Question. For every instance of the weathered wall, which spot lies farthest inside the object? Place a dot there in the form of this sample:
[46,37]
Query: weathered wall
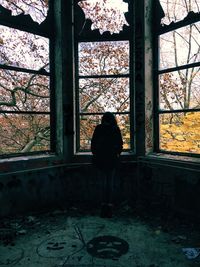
[60,187]
[156,185]
[170,187]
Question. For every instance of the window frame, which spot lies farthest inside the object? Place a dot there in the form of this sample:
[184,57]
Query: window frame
[156,72]
[106,38]
[43,31]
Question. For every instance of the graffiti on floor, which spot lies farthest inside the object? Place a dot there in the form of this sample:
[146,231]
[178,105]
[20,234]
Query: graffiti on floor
[80,248]
[59,246]
[107,247]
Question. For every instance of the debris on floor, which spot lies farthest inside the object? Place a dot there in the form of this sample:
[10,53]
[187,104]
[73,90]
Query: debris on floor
[65,238]
[179,238]
[191,253]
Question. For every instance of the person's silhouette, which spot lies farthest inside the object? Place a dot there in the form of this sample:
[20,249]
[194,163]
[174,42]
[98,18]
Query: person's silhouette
[106,147]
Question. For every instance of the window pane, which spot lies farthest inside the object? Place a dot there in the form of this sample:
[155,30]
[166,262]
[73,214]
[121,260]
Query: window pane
[124,125]
[180,89]
[37,9]
[104,94]
[180,47]
[24,133]
[23,49]
[106,15]
[23,92]
[103,58]
[178,10]
[88,124]
[180,132]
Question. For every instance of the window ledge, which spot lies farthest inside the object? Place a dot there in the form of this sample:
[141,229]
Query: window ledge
[172,160]
[26,158]
[86,157]
[21,163]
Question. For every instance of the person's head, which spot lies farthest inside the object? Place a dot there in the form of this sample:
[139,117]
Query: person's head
[109,118]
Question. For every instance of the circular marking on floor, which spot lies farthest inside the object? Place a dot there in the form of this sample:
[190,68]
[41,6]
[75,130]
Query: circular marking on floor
[59,246]
[107,247]
[10,255]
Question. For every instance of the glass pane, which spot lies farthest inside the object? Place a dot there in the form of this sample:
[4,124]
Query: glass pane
[24,133]
[180,89]
[104,58]
[37,9]
[180,132]
[180,47]
[23,91]
[88,124]
[124,125]
[104,94]
[23,49]
[178,10]
[106,15]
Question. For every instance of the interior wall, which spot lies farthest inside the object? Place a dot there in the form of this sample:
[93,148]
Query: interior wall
[61,187]
[153,184]
[170,186]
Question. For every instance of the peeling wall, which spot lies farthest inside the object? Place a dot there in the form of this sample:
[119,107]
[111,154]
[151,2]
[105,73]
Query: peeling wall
[148,55]
[61,187]
[169,187]
[156,185]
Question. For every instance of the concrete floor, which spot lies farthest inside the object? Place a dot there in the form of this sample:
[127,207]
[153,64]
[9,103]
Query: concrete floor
[74,239]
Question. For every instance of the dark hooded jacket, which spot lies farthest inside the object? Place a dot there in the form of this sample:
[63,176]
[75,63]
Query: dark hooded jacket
[106,146]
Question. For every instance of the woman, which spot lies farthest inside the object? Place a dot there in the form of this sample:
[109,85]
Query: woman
[106,146]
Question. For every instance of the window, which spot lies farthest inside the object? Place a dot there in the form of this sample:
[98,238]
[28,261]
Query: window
[178,76]
[103,52]
[25,78]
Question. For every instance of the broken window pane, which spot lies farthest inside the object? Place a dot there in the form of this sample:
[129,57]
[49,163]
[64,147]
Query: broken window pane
[103,69]
[180,89]
[21,133]
[106,15]
[23,91]
[37,9]
[104,94]
[178,10]
[23,49]
[180,132]
[180,47]
[103,58]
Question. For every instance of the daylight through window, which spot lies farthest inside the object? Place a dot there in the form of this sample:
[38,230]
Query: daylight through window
[179,80]
[24,81]
[103,70]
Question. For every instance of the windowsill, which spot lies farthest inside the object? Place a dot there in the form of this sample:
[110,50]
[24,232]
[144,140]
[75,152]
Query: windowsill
[124,153]
[177,160]
[26,158]
[28,162]
[85,157]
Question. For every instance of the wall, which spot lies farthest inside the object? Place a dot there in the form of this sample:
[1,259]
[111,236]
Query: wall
[61,186]
[169,185]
